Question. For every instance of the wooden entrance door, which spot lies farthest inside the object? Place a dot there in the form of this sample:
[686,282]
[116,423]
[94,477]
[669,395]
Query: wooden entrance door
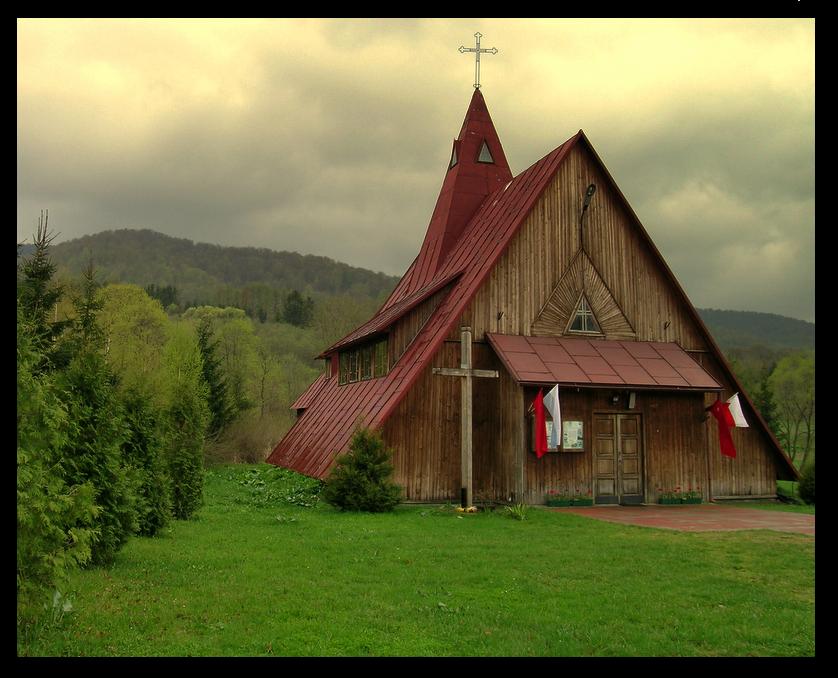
[618,459]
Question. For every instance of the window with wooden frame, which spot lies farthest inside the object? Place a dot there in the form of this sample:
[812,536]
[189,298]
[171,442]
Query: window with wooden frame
[364,362]
[353,366]
[343,368]
[365,354]
[583,320]
[381,358]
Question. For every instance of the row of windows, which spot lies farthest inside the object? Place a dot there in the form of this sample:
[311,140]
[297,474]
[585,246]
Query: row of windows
[370,360]
[362,363]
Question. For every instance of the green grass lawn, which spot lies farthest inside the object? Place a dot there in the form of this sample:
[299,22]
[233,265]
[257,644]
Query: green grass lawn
[256,575]
[773,506]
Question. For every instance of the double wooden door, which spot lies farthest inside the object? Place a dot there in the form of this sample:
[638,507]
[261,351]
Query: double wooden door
[618,459]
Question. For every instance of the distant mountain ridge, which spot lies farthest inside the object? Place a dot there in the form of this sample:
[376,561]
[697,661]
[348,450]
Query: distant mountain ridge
[742,329]
[145,257]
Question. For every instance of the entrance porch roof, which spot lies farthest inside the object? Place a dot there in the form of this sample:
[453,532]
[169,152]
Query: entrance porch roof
[601,363]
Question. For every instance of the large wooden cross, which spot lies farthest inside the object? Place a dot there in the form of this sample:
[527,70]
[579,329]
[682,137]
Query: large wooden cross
[477,52]
[466,372]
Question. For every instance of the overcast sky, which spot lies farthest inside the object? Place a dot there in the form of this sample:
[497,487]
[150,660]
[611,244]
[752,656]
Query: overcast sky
[332,137]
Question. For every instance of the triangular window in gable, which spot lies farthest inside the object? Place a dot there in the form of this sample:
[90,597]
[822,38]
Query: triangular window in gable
[583,319]
[485,153]
[453,156]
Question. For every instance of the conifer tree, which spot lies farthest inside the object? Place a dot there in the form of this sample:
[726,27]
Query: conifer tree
[143,450]
[94,448]
[55,517]
[38,295]
[361,479]
[187,417]
[765,403]
[222,411]
[296,310]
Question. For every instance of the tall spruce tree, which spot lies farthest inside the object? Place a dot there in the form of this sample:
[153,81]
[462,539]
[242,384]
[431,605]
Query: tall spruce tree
[222,410]
[187,418]
[764,401]
[94,448]
[297,310]
[55,517]
[142,449]
[38,295]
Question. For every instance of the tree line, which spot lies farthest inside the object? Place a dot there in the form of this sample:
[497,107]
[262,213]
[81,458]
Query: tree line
[213,274]
[782,386]
[104,449]
[121,405]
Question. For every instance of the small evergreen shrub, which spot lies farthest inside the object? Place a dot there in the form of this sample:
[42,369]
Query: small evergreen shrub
[806,488]
[360,480]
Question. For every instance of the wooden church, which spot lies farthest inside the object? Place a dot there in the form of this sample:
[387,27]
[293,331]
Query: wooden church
[522,283]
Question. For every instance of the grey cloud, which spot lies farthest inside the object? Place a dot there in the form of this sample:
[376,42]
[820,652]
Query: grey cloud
[344,157]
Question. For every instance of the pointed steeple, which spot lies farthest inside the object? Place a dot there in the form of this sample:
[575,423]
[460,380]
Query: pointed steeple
[477,168]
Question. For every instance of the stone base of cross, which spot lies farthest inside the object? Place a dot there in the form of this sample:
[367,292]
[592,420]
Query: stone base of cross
[466,373]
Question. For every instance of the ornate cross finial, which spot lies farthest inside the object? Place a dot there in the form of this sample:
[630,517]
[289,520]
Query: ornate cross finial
[477,52]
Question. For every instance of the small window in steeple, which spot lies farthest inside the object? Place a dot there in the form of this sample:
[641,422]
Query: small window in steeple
[453,157]
[583,320]
[485,154]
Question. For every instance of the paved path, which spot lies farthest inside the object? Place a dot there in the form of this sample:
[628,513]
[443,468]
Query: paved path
[701,517]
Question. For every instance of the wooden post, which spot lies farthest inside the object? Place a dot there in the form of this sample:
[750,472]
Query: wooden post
[465,372]
[465,414]
[520,454]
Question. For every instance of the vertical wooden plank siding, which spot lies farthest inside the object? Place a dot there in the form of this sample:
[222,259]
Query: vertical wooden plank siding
[677,439]
[539,255]
[406,328]
[425,433]
[752,472]
[672,442]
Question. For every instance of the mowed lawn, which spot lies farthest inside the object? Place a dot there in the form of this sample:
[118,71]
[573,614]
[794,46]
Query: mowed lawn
[259,576]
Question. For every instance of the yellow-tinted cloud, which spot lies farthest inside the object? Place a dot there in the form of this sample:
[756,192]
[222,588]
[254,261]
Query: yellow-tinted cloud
[326,133]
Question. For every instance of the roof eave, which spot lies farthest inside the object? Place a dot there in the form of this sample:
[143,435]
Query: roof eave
[691,310]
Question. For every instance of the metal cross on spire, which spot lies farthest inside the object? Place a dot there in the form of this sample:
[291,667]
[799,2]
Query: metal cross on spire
[477,52]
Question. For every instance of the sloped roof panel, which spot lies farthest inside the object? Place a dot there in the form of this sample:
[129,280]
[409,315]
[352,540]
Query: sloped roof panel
[612,364]
[326,426]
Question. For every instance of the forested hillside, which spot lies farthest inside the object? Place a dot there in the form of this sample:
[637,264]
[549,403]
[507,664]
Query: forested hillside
[203,273]
[741,329]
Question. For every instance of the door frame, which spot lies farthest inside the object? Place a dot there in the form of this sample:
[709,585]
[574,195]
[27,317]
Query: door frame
[641,452]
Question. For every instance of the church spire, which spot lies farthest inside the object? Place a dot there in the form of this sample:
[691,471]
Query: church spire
[477,168]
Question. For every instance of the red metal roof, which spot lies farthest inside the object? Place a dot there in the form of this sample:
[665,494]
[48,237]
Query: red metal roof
[326,426]
[307,397]
[600,363]
[332,413]
[465,187]
[386,316]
